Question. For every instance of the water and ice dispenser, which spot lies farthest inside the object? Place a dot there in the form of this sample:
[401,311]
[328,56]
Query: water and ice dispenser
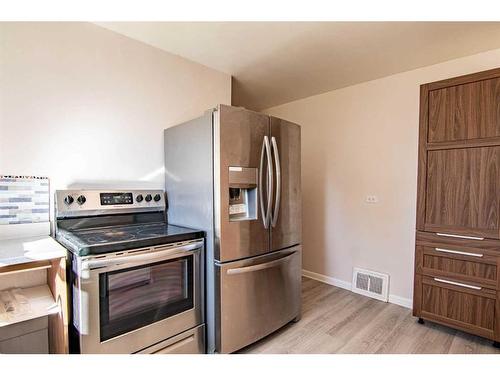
[242,193]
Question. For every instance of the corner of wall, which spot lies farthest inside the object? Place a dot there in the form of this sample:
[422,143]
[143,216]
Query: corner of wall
[394,299]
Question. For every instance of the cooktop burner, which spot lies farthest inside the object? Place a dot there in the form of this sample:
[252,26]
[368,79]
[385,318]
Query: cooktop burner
[111,236]
[122,233]
[125,237]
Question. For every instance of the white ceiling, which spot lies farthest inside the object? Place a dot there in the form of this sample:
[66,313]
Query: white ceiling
[276,62]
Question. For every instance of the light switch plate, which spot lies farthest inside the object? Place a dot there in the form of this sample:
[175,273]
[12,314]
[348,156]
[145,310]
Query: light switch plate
[371,199]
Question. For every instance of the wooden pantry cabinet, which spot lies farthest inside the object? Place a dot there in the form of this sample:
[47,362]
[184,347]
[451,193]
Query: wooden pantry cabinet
[457,252]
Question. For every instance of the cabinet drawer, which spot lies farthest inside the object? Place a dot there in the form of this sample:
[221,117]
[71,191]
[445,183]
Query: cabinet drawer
[471,265]
[465,306]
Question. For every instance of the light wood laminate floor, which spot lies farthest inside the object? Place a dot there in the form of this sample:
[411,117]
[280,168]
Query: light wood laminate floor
[335,320]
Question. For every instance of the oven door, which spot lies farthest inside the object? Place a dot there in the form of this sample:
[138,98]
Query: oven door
[129,302]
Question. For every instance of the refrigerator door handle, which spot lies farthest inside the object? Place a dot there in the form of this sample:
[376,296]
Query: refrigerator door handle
[270,182]
[278,182]
[261,168]
[261,266]
[265,152]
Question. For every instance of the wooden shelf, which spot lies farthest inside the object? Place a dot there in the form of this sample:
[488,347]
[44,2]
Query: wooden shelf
[42,303]
[31,266]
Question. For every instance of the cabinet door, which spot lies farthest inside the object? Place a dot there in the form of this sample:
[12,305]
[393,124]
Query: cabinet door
[466,111]
[462,191]
[459,305]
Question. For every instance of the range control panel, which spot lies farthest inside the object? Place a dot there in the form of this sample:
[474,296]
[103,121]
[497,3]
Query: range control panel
[112,199]
[91,202]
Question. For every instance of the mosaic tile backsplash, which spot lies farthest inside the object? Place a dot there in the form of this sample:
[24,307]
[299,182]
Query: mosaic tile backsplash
[24,199]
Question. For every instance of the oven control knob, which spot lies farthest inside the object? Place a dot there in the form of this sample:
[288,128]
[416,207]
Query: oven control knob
[148,198]
[68,200]
[81,200]
[157,197]
[139,198]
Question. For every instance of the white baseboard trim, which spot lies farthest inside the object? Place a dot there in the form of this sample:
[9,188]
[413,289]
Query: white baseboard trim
[397,300]
[327,279]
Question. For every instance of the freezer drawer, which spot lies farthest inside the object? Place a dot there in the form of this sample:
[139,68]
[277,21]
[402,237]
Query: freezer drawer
[256,297]
[189,342]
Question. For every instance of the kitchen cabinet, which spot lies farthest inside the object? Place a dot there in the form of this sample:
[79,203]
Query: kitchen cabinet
[37,266]
[457,252]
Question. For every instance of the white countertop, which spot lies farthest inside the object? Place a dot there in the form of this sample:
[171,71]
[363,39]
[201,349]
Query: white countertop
[30,249]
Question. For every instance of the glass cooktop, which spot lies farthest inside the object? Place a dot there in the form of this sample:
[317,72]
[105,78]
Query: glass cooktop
[126,237]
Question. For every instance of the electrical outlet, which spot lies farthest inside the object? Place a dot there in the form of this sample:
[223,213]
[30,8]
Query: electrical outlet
[371,199]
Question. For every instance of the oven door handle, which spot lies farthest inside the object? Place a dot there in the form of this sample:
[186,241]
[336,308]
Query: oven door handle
[162,252]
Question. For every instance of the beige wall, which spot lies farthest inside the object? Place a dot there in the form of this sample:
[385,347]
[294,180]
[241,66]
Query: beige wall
[84,105]
[357,141]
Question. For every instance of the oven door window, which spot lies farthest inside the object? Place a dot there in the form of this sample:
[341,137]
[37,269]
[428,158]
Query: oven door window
[136,297]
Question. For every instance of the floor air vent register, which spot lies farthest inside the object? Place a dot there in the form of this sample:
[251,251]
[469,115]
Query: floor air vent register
[371,284]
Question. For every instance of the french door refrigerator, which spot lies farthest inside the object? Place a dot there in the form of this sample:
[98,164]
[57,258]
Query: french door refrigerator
[235,174]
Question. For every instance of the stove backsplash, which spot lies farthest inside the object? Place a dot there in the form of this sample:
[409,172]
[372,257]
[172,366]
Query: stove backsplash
[24,199]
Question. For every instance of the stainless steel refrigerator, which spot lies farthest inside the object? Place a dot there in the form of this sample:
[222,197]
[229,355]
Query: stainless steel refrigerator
[235,174]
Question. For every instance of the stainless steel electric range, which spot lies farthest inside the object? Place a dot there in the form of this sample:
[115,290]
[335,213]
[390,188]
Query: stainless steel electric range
[136,283]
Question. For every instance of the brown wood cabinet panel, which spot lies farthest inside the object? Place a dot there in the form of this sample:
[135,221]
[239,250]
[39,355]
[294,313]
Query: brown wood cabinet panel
[482,142]
[417,295]
[497,319]
[422,156]
[498,281]
[489,247]
[466,111]
[459,264]
[461,80]
[461,267]
[462,191]
[468,309]
[459,195]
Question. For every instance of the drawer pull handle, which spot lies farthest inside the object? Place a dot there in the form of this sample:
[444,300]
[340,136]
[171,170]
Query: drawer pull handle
[459,252]
[458,284]
[458,236]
